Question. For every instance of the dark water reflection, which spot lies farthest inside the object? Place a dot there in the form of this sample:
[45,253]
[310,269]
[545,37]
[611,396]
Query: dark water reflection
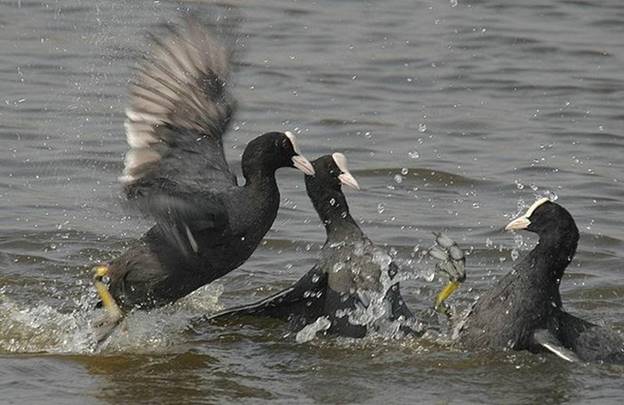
[452,115]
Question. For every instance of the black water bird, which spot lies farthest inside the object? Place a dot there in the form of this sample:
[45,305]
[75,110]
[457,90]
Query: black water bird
[523,311]
[176,173]
[352,287]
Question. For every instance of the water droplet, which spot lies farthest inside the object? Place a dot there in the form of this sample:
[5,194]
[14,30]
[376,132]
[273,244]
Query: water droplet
[551,195]
[413,154]
[422,127]
[338,266]
[380,208]
[398,179]
[332,202]
[454,3]
[404,171]
[309,331]
[514,254]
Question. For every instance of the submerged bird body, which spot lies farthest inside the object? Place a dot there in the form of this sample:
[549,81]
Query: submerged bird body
[352,285]
[176,174]
[524,311]
[589,341]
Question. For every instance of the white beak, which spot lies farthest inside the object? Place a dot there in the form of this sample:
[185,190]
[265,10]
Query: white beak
[348,180]
[523,222]
[345,177]
[518,223]
[303,164]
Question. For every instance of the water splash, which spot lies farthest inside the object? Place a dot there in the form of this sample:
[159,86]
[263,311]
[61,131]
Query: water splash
[373,308]
[43,328]
[309,332]
[25,328]
[162,328]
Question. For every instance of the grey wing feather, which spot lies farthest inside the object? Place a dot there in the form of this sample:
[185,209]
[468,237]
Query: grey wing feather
[182,216]
[179,110]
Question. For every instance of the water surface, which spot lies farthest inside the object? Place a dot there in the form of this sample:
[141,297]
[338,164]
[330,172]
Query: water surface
[453,115]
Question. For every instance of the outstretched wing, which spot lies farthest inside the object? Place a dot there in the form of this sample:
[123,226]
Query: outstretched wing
[179,110]
[300,303]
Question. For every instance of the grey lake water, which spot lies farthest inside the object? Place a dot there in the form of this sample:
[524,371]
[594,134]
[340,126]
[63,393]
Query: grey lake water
[454,115]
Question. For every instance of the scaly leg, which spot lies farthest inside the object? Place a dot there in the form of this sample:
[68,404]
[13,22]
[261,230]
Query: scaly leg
[105,325]
[452,261]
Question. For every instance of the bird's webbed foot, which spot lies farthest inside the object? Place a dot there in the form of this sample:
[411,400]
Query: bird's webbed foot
[452,262]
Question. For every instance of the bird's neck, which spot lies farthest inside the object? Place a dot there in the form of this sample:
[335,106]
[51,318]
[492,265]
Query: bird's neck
[260,178]
[546,263]
[334,213]
[555,251]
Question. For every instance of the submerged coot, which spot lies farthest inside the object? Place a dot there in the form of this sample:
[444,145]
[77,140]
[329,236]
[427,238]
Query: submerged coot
[353,286]
[524,310]
[176,173]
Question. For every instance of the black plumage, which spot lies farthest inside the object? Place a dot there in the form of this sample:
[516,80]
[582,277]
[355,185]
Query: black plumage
[524,311]
[176,173]
[352,285]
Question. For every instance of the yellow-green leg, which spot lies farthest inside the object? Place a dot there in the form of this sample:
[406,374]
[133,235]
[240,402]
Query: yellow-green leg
[443,295]
[105,325]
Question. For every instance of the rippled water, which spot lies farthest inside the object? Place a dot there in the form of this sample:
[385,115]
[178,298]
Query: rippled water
[453,114]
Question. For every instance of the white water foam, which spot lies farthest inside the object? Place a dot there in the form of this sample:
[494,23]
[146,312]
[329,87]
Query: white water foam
[44,328]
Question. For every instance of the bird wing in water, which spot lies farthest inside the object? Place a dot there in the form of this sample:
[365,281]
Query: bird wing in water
[545,339]
[589,341]
[298,303]
[179,109]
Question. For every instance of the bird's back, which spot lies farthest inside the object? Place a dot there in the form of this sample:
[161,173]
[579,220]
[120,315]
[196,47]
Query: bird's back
[589,341]
[506,316]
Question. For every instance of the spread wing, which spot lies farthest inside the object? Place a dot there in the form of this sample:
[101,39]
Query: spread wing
[302,301]
[179,109]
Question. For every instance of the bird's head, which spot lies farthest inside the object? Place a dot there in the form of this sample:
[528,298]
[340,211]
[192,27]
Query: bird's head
[272,151]
[331,173]
[547,219]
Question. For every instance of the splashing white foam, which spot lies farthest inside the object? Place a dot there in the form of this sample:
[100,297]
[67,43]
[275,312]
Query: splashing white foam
[43,328]
[309,332]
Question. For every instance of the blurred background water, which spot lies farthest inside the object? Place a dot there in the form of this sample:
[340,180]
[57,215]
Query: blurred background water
[454,115]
